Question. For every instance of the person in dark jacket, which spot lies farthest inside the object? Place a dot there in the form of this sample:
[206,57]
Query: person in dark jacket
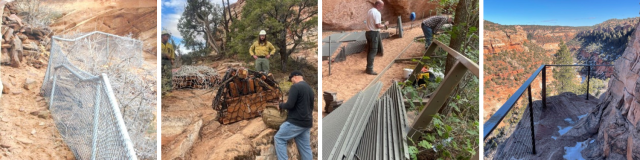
[299,119]
[432,25]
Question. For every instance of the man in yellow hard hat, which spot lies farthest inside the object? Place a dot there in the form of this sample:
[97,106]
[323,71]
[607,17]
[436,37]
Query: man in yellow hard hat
[261,51]
[168,56]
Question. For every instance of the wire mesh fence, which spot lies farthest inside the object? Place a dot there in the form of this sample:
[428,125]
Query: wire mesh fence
[101,99]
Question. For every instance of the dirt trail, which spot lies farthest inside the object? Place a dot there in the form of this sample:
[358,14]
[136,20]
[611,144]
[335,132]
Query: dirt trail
[352,69]
[27,130]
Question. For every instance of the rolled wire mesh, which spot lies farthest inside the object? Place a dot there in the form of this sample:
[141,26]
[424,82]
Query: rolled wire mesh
[133,87]
[198,77]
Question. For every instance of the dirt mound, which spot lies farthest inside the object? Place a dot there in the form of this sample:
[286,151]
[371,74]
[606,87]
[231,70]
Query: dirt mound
[350,15]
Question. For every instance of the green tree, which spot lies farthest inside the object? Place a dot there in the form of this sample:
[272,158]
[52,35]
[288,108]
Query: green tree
[286,22]
[564,75]
[199,27]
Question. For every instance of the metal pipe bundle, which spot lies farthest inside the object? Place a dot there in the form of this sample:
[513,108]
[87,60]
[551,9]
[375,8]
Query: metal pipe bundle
[367,127]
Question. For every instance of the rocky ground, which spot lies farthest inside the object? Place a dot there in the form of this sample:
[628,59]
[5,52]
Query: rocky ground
[551,126]
[27,130]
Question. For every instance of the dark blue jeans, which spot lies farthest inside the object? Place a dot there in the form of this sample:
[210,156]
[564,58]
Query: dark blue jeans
[301,135]
[428,35]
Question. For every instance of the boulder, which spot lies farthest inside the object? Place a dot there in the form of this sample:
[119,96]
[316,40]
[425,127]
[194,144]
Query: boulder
[273,118]
[29,84]
[5,88]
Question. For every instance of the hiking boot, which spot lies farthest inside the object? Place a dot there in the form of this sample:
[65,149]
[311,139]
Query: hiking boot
[371,72]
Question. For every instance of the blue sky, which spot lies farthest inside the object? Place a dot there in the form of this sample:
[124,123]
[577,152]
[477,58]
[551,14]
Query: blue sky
[558,12]
[171,12]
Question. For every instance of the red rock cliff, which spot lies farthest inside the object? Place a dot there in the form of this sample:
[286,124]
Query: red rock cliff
[350,15]
[615,121]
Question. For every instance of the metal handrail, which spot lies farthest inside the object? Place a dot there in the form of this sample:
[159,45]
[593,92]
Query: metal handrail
[451,80]
[460,67]
[497,117]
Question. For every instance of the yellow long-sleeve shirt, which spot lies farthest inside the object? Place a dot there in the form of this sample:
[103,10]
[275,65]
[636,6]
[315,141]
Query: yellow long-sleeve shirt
[262,50]
[168,51]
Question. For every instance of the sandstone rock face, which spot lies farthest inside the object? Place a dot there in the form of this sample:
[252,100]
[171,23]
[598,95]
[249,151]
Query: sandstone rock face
[235,147]
[615,121]
[498,41]
[350,15]
[183,142]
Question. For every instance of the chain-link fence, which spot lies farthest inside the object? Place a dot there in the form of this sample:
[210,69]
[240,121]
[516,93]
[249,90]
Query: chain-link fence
[101,99]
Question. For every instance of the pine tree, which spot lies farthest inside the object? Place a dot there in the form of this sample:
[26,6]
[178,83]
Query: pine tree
[565,76]
[285,21]
[199,26]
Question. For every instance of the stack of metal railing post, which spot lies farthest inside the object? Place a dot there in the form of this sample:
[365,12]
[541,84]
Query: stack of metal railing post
[367,127]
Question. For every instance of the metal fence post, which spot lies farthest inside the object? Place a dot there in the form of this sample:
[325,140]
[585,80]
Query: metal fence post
[329,55]
[107,55]
[399,30]
[53,91]
[588,75]
[96,114]
[122,128]
[544,86]
[533,135]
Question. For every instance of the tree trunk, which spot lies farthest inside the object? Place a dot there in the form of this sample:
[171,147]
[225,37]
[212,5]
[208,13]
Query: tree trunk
[229,11]
[459,35]
[283,49]
[457,38]
[225,26]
